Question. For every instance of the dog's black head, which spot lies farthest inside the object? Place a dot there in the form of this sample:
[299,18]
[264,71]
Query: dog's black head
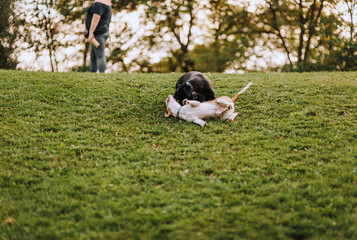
[184,91]
[194,86]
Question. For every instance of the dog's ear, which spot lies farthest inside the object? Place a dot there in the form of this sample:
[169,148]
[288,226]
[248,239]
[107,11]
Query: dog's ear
[187,90]
[179,89]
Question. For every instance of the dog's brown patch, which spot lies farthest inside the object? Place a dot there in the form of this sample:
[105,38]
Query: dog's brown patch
[169,112]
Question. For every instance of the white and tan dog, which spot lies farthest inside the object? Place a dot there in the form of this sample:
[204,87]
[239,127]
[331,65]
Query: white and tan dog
[194,111]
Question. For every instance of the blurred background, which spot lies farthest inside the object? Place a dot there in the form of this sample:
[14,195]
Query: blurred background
[232,36]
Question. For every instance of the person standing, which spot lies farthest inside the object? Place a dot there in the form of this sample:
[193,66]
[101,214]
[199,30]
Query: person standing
[98,18]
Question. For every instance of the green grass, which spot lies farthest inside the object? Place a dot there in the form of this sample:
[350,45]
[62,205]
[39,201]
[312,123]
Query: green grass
[89,156]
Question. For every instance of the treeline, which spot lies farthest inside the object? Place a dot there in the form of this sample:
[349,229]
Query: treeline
[206,35]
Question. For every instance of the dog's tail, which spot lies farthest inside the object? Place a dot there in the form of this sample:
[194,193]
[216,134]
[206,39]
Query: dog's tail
[241,91]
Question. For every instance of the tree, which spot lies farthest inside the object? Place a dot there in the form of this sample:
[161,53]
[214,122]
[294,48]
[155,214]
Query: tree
[73,12]
[230,38]
[294,26]
[221,26]
[8,34]
[348,52]
[172,23]
[210,35]
[351,8]
[42,29]
[128,51]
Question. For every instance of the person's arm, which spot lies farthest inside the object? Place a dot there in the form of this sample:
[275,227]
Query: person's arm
[93,26]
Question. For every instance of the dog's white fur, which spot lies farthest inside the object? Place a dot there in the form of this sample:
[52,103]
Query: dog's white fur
[194,111]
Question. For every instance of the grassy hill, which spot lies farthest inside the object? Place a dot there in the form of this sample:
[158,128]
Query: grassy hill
[88,156]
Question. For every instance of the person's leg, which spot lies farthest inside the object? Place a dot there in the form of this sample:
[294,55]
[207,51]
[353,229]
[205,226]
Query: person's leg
[93,60]
[100,52]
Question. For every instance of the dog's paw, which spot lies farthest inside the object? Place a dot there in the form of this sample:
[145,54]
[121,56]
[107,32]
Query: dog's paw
[231,118]
[203,124]
[185,101]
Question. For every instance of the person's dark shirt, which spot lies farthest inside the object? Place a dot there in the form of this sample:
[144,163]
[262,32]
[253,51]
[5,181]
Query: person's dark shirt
[105,12]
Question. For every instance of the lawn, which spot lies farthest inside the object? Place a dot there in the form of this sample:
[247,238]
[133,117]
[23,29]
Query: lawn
[91,156]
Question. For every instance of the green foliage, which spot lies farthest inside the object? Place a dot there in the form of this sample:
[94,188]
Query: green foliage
[127,4]
[212,58]
[175,19]
[226,42]
[72,10]
[91,156]
[308,31]
[192,35]
[343,59]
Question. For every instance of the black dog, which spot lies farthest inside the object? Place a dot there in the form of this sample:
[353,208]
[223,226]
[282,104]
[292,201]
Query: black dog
[194,86]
